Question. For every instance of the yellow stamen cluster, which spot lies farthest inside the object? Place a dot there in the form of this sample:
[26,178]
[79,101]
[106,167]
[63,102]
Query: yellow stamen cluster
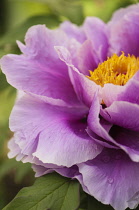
[116,70]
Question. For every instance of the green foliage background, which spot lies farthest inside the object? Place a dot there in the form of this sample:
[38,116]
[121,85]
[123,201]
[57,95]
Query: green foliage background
[16,16]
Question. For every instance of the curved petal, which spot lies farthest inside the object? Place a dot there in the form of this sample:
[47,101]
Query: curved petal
[126,27]
[64,171]
[39,70]
[127,140]
[100,140]
[14,149]
[39,167]
[112,178]
[95,126]
[120,138]
[123,114]
[87,59]
[96,31]
[128,92]
[84,87]
[53,134]
[110,93]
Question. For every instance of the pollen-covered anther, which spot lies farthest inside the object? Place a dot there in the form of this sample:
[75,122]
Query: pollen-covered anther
[116,70]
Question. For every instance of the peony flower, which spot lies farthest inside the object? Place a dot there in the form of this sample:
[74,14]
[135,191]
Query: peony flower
[79,110]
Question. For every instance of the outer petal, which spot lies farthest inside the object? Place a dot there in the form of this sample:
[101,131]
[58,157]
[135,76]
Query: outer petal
[52,134]
[14,149]
[112,178]
[84,88]
[39,70]
[39,167]
[96,31]
[124,34]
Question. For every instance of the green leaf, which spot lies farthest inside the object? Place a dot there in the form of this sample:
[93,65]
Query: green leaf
[48,192]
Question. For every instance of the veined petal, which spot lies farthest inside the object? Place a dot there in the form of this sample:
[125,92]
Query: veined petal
[84,88]
[53,134]
[39,70]
[123,114]
[130,90]
[110,93]
[73,31]
[64,171]
[96,31]
[121,12]
[87,59]
[121,138]
[112,178]
[126,27]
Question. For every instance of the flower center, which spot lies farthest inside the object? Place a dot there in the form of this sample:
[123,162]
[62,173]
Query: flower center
[116,69]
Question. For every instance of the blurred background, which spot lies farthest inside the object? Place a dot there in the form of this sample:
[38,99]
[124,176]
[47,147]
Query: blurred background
[16,16]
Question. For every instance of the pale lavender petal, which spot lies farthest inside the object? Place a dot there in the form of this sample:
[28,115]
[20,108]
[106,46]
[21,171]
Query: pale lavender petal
[123,114]
[14,148]
[74,47]
[119,138]
[112,178]
[87,59]
[120,13]
[94,124]
[73,31]
[84,87]
[41,170]
[66,145]
[52,133]
[96,31]
[130,91]
[64,171]
[110,93]
[39,70]
[124,34]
